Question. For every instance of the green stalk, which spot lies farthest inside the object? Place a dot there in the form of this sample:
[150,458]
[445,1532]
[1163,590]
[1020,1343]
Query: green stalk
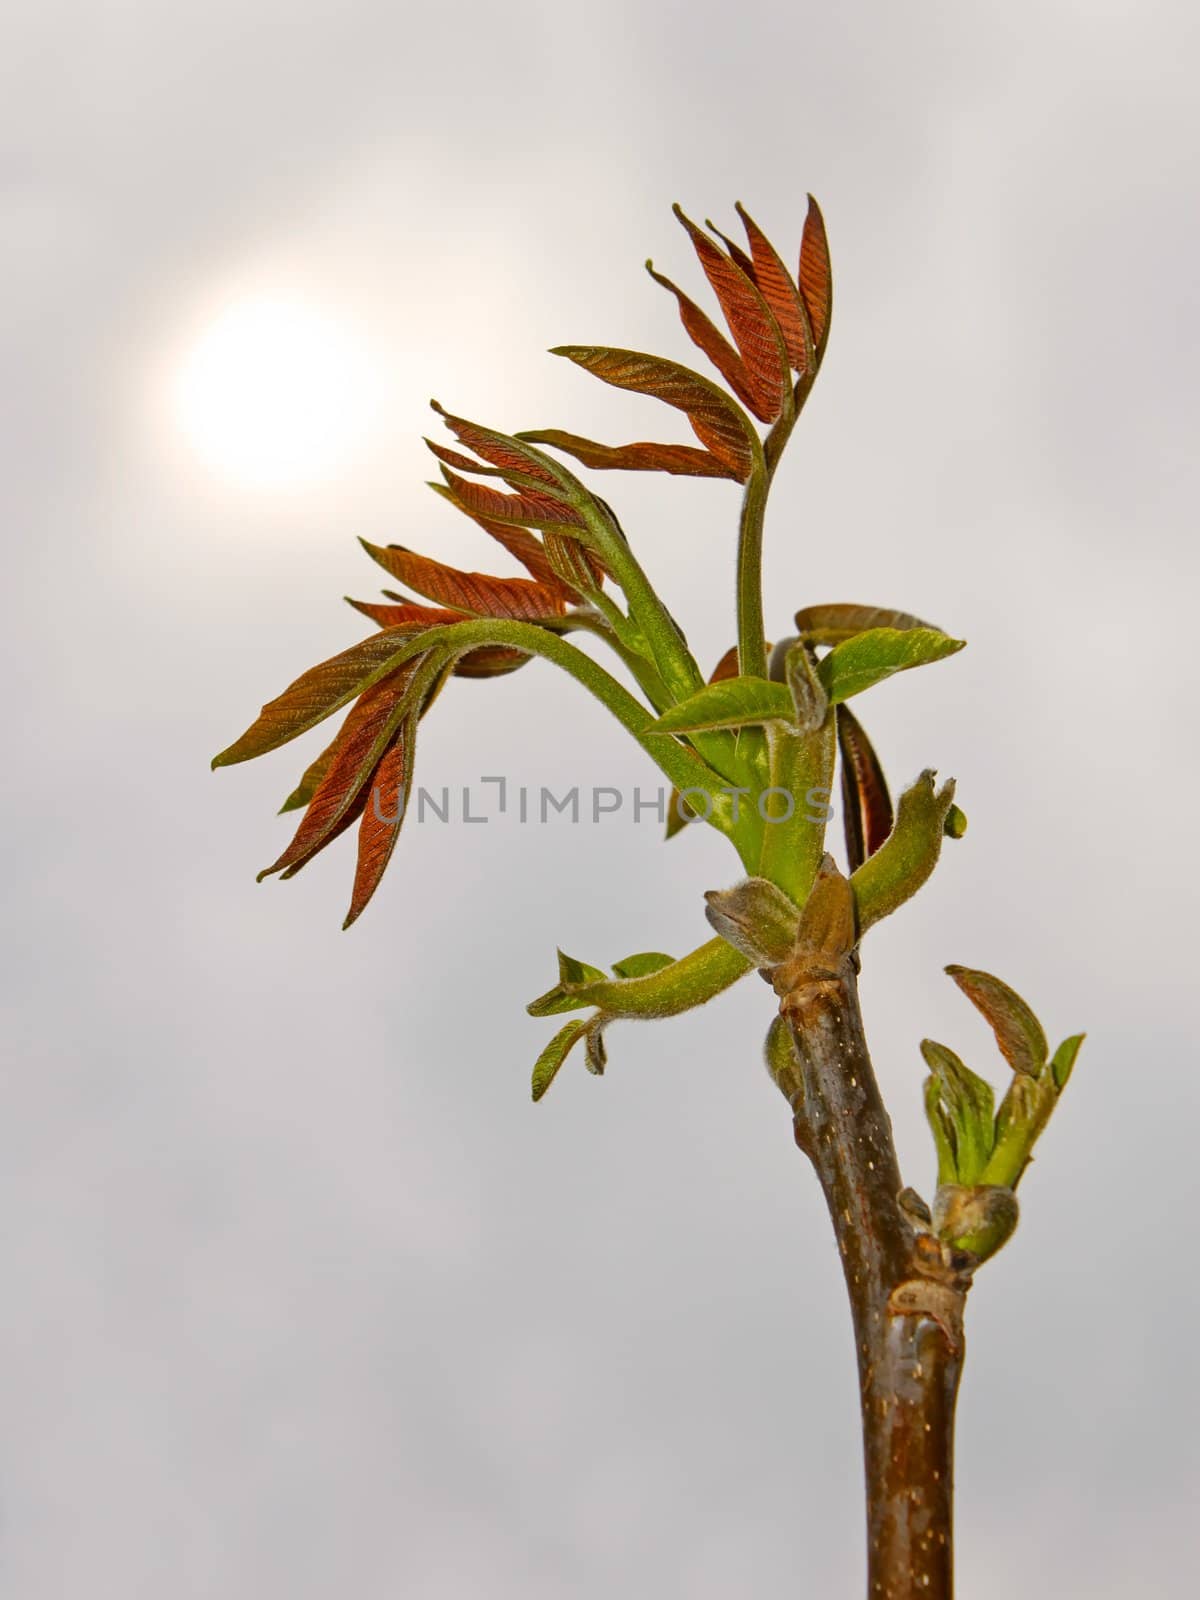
[752,649]
[801,765]
[665,641]
[685,984]
[681,765]
[722,751]
[752,639]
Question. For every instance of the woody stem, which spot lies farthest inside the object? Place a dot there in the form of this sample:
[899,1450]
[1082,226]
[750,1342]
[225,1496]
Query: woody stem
[905,1301]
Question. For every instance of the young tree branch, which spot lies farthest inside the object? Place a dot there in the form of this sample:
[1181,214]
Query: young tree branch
[906,1291]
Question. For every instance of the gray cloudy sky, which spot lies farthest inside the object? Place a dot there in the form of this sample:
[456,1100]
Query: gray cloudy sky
[303,1297]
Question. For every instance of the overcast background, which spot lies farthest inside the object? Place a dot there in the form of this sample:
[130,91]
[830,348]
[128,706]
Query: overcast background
[302,1296]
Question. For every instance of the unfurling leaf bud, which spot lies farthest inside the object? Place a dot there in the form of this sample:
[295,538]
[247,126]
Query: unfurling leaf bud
[915,1208]
[808,693]
[780,1055]
[909,853]
[979,1218]
[1023,1114]
[756,918]
[955,824]
[976,1147]
[969,1106]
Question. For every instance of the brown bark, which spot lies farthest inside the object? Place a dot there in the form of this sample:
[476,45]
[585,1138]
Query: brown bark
[906,1290]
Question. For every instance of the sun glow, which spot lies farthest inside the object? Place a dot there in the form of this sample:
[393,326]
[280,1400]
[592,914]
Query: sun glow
[274,394]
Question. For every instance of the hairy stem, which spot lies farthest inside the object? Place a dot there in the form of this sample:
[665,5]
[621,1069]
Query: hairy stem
[752,644]
[752,641]
[906,1292]
[662,633]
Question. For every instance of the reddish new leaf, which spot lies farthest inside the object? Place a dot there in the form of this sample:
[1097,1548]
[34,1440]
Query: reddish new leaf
[1019,1034]
[866,804]
[385,798]
[518,599]
[707,337]
[735,249]
[727,667]
[816,275]
[315,695]
[717,420]
[347,821]
[578,569]
[359,747]
[780,293]
[499,449]
[406,614]
[684,460]
[455,458]
[529,509]
[526,547]
[750,322]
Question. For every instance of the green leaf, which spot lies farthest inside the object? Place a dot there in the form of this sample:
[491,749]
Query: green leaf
[1023,1114]
[572,975]
[1018,1032]
[970,1104]
[572,971]
[1063,1060]
[555,1002]
[868,658]
[756,918]
[642,964]
[733,703]
[831,624]
[553,1056]
[943,1133]
[907,857]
